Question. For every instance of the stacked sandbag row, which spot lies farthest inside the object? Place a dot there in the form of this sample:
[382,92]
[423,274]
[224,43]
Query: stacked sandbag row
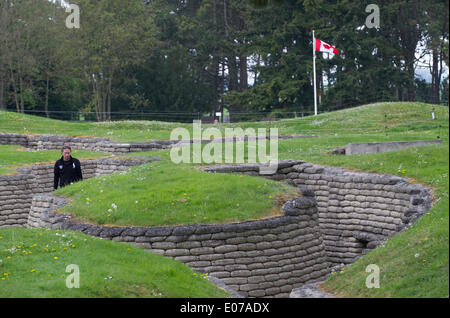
[263,258]
[357,211]
[17,191]
[56,142]
[15,199]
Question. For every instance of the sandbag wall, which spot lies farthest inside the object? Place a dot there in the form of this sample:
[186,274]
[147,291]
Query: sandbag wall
[357,211]
[263,258]
[56,142]
[17,191]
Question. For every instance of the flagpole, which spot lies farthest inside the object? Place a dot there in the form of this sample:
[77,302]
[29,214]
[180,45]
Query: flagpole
[314,71]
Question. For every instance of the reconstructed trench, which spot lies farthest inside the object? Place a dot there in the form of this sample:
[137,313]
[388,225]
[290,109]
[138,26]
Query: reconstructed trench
[339,217]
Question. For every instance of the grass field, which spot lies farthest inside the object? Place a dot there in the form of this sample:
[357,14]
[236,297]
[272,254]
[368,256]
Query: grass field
[412,120]
[12,157]
[162,193]
[33,263]
[413,263]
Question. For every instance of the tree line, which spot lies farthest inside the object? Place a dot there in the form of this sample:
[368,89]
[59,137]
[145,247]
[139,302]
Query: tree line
[178,60]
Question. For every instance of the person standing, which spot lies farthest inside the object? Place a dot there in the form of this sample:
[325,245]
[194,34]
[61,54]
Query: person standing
[67,169]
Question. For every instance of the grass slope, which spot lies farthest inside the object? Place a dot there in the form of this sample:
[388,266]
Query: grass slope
[33,263]
[119,131]
[380,118]
[12,157]
[162,193]
[413,263]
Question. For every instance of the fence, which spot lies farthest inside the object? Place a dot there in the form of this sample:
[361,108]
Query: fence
[236,116]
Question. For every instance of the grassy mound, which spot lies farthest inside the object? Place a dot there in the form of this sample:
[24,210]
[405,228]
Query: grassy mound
[33,263]
[162,193]
[119,131]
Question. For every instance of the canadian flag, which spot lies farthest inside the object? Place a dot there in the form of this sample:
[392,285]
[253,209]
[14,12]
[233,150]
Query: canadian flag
[324,47]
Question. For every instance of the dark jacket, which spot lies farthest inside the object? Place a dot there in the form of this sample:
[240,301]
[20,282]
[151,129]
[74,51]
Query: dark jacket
[66,172]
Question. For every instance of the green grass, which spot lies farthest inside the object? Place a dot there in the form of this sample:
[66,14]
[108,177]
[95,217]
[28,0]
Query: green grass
[162,193]
[118,131]
[413,263]
[34,261]
[413,118]
[13,156]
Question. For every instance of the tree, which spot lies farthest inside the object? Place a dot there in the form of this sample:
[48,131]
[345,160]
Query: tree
[114,36]
[436,35]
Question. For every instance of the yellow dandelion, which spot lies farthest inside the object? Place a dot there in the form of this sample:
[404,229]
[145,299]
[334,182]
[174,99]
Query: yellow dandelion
[55,258]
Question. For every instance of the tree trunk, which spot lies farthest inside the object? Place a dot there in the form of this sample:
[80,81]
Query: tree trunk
[233,84]
[109,98]
[47,80]
[409,37]
[398,92]
[22,101]
[215,85]
[96,98]
[243,72]
[2,93]
[13,82]
[410,89]
[215,67]
[223,90]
